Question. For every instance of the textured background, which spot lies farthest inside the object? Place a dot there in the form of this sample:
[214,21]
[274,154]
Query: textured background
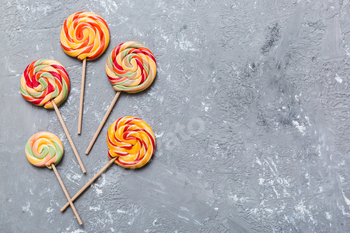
[250,110]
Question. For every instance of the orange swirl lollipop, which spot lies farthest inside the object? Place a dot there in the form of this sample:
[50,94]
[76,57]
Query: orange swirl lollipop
[130,67]
[131,141]
[131,144]
[44,149]
[84,35]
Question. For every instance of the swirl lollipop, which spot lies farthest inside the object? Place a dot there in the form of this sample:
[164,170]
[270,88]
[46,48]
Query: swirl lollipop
[45,149]
[131,144]
[130,67]
[45,83]
[84,35]
[131,141]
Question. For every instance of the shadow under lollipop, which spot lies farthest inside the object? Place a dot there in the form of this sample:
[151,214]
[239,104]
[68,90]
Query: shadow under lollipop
[45,149]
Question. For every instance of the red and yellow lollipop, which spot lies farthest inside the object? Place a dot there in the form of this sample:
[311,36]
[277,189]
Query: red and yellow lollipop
[131,144]
[131,141]
[84,35]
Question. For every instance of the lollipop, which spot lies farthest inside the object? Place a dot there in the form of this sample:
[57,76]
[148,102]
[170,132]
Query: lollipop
[131,144]
[45,83]
[45,149]
[130,67]
[131,141]
[84,35]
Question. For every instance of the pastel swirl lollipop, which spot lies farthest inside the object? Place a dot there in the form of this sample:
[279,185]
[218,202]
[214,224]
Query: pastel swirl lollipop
[44,149]
[44,81]
[130,67]
[131,144]
[84,35]
[132,141]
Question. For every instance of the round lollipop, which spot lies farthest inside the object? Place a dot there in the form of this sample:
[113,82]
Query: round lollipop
[131,144]
[45,149]
[130,67]
[45,83]
[84,35]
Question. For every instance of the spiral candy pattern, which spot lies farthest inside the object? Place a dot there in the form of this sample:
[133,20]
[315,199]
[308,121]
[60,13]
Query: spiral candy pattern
[131,67]
[45,80]
[132,141]
[44,149]
[84,35]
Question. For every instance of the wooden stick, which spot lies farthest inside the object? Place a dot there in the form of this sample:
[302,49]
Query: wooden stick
[89,183]
[69,138]
[66,193]
[81,96]
[102,123]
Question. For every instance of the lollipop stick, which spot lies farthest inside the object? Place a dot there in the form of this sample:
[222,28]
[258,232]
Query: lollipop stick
[81,96]
[89,183]
[102,123]
[66,193]
[69,138]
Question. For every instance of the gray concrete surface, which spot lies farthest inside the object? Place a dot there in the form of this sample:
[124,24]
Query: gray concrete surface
[250,109]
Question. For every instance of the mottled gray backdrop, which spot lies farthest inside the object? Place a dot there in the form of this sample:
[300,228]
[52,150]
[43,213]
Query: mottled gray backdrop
[250,109]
